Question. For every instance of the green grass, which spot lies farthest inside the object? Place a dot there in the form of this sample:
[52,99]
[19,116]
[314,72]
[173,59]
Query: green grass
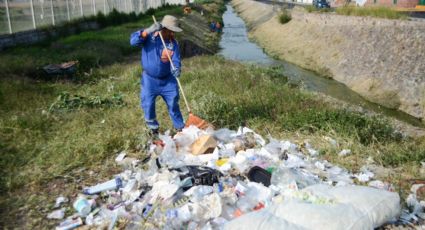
[285,17]
[378,12]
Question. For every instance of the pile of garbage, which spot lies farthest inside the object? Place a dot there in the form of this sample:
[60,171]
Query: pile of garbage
[225,179]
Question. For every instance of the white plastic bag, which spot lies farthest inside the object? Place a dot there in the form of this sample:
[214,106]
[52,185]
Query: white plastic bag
[260,220]
[378,205]
[321,216]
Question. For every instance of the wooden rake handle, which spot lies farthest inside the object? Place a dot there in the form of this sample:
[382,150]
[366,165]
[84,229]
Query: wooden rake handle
[173,67]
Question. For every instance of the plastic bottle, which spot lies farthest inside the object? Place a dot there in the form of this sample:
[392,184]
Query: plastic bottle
[105,186]
[83,206]
[69,224]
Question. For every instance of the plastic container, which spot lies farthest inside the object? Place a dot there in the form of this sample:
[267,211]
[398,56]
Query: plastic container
[259,175]
[83,206]
[108,185]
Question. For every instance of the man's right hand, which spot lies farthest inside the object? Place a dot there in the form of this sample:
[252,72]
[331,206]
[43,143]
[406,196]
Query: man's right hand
[153,28]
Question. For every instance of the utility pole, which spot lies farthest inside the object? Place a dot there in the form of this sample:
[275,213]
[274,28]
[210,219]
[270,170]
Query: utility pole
[8,17]
[52,11]
[67,10]
[32,14]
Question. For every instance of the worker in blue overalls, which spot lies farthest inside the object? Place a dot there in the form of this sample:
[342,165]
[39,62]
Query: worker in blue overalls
[158,78]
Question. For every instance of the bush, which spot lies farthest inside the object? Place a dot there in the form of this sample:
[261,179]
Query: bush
[285,17]
[68,102]
[310,8]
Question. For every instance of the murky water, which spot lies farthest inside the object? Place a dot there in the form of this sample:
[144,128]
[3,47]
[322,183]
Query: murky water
[235,45]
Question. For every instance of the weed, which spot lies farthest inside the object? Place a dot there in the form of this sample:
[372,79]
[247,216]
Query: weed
[285,17]
[68,102]
[310,8]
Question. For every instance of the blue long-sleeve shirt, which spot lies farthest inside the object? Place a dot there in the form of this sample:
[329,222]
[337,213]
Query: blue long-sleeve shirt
[151,54]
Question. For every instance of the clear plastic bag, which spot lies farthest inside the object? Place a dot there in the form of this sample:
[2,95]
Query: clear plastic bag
[284,177]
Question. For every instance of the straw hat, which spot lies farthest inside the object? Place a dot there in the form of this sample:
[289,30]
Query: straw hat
[170,22]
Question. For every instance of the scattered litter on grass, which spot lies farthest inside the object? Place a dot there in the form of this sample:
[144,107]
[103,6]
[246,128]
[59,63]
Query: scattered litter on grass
[344,152]
[364,175]
[120,156]
[57,214]
[70,224]
[331,141]
[222,179]
[416,203]
[61,69]
[60,200]
[382,185]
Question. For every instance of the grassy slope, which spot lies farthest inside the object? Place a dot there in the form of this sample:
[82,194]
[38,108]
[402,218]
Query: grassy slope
[371,11]
[377,12]
[48,154]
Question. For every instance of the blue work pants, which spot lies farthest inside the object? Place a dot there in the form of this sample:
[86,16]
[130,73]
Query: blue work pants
[168,89]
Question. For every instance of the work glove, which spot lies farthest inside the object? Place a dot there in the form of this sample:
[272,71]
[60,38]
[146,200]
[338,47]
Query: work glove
[175,72]
[153,28]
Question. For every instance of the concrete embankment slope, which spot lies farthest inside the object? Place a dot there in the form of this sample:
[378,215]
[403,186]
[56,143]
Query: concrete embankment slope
[383,60]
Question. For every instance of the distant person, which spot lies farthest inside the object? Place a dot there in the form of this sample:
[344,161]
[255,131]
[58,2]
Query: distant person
[218,27]
[158,79]
[212,26]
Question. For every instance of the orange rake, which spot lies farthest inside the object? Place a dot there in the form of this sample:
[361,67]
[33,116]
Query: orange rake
[193,119]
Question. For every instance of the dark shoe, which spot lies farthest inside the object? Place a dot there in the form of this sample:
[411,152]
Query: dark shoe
[175,131]
[154,134]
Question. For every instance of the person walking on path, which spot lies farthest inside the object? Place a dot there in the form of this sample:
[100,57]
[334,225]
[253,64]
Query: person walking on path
[158,78]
